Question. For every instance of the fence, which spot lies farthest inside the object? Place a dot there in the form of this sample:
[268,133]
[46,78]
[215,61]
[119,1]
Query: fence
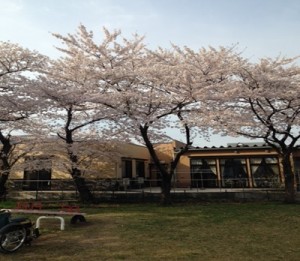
[141,183]
[139,189]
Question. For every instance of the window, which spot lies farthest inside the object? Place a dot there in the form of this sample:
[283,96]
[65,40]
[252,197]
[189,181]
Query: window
[234,172]
[37,174]
[126,168]
[265,171]
[203,173]
[140,169]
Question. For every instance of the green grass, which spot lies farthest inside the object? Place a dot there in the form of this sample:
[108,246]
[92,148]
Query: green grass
[248,231]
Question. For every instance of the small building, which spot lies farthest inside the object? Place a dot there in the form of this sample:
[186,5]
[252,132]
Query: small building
[248,165]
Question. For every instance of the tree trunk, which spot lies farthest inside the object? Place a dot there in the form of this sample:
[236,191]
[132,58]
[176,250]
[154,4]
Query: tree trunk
[165,176]
[5,166]
[3,190]
[83,190]
[5,170]
[289,179]
[166,198]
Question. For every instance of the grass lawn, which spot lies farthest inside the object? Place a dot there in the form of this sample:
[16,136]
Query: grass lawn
[215,231]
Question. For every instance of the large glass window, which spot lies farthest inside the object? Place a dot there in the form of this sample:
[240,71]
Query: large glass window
[265,171]
[203,173]
[37,174]
[126,168]
[140,169]
[234,172]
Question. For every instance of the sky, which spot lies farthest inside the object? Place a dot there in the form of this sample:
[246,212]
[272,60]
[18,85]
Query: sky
[260,28]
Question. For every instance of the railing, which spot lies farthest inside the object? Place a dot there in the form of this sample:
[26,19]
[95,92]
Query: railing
[143,189]
[126,184]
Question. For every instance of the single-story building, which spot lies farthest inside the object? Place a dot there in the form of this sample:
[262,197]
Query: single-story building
[247,165]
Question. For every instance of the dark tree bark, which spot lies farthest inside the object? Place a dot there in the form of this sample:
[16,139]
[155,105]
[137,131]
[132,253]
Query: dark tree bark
[289,179]
[5,166]
[166,175]
[83,190]
[80,182]
[166,190]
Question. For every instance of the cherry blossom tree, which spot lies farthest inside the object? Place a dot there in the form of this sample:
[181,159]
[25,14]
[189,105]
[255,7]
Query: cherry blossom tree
[65,90]
[179,82]
[152,99]
[266,105]
[17,69]
[122,86]
[147,89]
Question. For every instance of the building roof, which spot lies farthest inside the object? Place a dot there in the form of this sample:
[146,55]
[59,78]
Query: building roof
[234,146]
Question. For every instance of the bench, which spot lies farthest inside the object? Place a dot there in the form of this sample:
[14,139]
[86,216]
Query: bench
[67,205]
[35,207]
[48,214]
[29,205]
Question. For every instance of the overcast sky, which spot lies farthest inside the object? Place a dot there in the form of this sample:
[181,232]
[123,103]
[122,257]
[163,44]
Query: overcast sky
[261,28]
